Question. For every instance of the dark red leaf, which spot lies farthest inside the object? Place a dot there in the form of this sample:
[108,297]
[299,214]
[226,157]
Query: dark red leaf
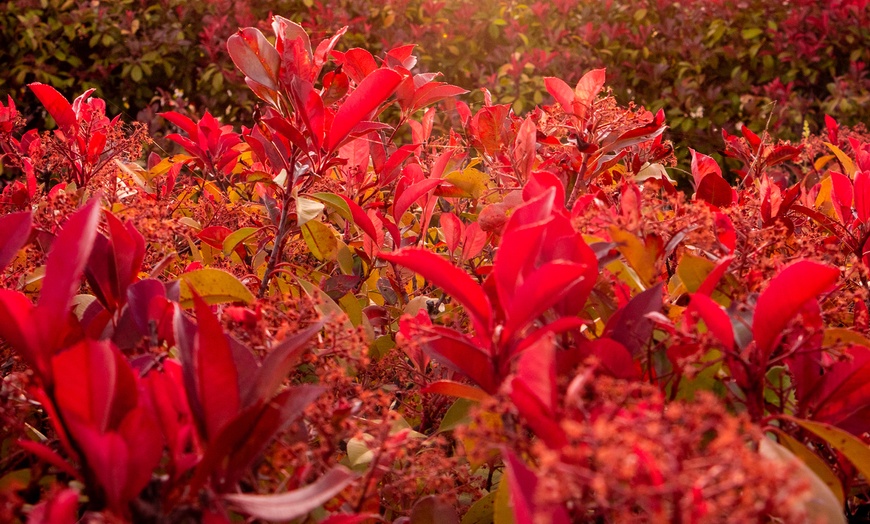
[279,362]
[614,358]
[16,230]
[431,510]
[255,57]
[293,504]
[715,190]
[629,326]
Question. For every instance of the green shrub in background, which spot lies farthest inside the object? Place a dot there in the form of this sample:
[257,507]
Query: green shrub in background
[776,65]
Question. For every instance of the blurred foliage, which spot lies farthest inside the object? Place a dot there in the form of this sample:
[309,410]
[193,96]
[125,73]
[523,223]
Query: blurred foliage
[775,65]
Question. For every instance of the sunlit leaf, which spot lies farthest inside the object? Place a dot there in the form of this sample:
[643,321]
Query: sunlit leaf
[215,286]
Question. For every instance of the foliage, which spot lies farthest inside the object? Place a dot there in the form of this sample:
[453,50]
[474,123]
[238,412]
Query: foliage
[342,314]
[708,65]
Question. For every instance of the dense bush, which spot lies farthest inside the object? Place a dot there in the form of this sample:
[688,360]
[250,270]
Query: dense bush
[710,65]
[375,303]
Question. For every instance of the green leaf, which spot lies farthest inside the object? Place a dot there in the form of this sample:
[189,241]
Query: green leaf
[456,415]
[321,239]
[752,32]
[215,286]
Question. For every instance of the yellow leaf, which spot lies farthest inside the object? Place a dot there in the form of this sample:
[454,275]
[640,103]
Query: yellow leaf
[641,257]
[844,335]
[468,183]
[847,444]
[847,163]
[215,286]
[321,239]
[692,271]
[815,463]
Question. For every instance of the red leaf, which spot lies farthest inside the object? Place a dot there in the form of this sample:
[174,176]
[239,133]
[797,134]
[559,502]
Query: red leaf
[454,281]
[48,455]
[714,317]
[833,130]
[456,352]
[434,92]
[411,194]
[368,96]
[95,384]
[308,103]
[843,391]
[784,297]
[560,91]
[360,218]
[183,122]
[57,106]
[716,191]
[294,504]
[703,166]
[19,328]
[540,290]
[456,389]
[725,232]
[524,149]
[357,63]
[255,57]
[536,370]
[862,195]
[216,375]
[214,236]
[16,230]
[473,241]
[451,228]
[522,483]
[712,280]
[586,91]
[614,358]
[66,262]
[61,508]
[842,196]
